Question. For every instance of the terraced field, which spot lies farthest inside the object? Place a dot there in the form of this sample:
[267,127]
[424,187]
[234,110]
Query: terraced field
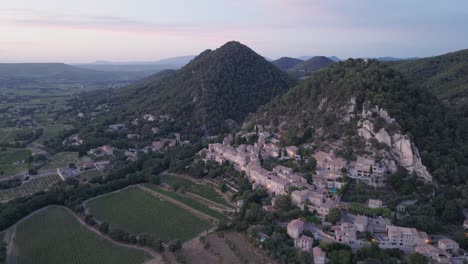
[187,201]
[136,211]
[54,236]
[28,188]
[201,190]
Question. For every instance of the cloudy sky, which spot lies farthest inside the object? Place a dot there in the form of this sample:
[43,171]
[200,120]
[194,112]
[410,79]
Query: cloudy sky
[144,30]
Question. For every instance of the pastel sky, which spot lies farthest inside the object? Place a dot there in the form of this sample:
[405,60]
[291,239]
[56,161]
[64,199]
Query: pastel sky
[145,30]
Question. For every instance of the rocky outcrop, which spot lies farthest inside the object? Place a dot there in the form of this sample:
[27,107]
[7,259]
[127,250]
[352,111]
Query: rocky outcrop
[366,130]
[350,110]
[401,151]
[383,137]
[409,157]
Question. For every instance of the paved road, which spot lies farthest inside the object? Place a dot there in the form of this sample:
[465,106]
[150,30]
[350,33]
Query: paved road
[318,232]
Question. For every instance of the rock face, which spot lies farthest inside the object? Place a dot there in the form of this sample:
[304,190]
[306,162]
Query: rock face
[401,150]
[409,156]
[367,129]
[383,137]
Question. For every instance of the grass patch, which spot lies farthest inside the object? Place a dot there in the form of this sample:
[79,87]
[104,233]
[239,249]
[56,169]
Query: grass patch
[55,236]
[202,190]
[189,202]
[137,212]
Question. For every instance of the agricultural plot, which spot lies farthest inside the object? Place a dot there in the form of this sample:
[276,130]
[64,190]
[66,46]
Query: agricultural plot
[7,135]
[87,175]
[8,155]
[10,169]
[189,202]
[30,187]
[52,131]
[137,212]
[201,190]
[61,159]
[54,236]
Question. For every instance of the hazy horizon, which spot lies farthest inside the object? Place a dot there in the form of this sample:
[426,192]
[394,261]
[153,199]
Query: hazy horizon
[143,30]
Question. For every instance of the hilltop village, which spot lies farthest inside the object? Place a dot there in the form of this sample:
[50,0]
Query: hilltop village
[322,194]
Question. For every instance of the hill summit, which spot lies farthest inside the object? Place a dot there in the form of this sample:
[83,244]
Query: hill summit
[212,93]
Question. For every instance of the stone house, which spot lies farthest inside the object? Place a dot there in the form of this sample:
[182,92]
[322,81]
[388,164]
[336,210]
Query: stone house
[405,237]
[374,203]
[319,255]
[346,234]
[304,243]
[447,244]
[433,253]
[295,228]
[329,162]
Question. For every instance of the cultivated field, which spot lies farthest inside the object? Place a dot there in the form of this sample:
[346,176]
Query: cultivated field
[9,155]
[201,190]
[11,169]
[61,159]
[229,247]
[30,187]
[136,211]
[187,201]
[54,236]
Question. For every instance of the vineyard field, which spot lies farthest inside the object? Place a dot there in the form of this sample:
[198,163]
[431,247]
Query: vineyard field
[201,190]
[54,236]
[136,211]
[187,201]
[30,187]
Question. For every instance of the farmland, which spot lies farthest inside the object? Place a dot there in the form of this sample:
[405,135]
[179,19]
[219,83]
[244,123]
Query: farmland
[61,159]
[201,190]
[187,201]
[59,238]
[8,155]
[30,187]
[12,169]
[138,212]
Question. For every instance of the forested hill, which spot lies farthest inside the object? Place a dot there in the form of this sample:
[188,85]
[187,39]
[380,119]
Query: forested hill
[446,75]
[439,133]
[213,92]
[309,66]
[286,63]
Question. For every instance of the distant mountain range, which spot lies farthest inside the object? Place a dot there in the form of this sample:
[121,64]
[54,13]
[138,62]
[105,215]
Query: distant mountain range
[300,68]
[139,66]
[333,58]
[394,59]
[52,74]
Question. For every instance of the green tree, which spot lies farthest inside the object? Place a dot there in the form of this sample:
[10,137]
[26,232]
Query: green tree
[283,202]
[416,258]
[334,216]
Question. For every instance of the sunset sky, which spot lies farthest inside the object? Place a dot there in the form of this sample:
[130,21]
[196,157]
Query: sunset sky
[145,30]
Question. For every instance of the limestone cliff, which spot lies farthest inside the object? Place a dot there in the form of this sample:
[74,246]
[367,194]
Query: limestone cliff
[400,149]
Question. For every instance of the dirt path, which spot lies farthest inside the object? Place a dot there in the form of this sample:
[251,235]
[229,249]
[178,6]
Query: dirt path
[181,205]
[156,257]
[211,204]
